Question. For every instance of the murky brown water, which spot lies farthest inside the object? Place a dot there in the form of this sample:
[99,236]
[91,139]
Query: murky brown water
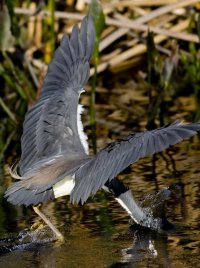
[98,234]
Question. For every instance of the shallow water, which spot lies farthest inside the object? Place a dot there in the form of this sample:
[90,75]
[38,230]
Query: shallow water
[98,234]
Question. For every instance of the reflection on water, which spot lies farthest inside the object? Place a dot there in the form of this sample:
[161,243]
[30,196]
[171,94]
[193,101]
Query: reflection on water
[144,246]
[98,234]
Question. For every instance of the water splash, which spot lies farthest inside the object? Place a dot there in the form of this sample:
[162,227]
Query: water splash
[152,208]
[27,240]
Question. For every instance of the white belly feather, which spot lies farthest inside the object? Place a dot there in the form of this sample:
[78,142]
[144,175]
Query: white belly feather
[83,137]
[64,187]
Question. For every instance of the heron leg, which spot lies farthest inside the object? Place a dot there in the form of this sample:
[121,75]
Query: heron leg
[37,225]
[59,236]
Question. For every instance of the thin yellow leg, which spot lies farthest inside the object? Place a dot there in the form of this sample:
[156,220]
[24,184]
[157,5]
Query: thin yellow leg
[59,236]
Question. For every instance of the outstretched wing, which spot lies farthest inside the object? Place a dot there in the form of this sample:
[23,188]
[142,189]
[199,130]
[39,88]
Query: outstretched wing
[50,127]
[114,158]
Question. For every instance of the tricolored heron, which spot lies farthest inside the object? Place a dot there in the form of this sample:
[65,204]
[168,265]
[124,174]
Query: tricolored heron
[55,160]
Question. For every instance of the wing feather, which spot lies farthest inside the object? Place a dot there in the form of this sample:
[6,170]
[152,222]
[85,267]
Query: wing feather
[50,126]
[111,160]
[51,146]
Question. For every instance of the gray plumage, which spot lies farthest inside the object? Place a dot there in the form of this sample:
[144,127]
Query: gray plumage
[50,126]
[36,186]
[51,145]
[114,158]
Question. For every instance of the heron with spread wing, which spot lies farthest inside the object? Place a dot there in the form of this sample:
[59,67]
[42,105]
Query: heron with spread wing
[55,159]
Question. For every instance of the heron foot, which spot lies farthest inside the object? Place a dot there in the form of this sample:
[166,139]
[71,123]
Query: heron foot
[37,225]
[59,236]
